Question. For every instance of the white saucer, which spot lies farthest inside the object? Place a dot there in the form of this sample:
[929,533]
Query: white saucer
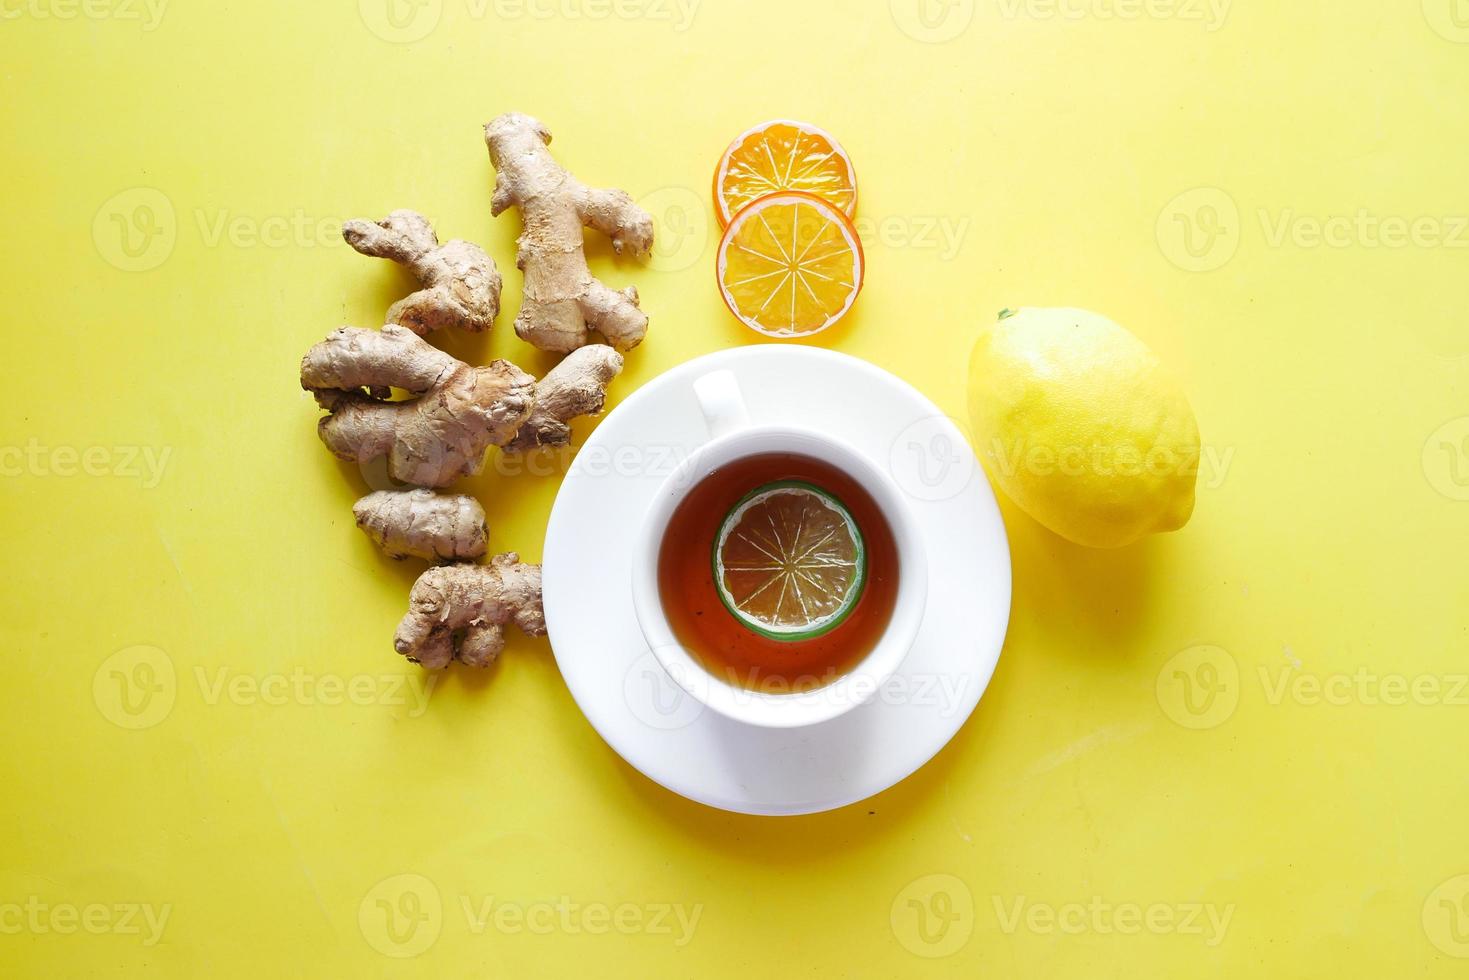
[689,748]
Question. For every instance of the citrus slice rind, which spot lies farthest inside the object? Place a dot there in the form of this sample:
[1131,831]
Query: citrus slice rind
[789,265]
[789,561]
[782,155]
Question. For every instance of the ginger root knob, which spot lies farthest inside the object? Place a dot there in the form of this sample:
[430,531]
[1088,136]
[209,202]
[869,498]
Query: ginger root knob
[458,612]
[424,524]
[576,386]
[461,285]
[563,302]
[430,440]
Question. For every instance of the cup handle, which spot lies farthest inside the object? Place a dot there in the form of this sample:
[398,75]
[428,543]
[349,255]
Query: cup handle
[722,403]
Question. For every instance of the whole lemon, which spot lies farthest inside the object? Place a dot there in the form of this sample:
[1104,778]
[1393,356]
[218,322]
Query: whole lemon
[1082,426]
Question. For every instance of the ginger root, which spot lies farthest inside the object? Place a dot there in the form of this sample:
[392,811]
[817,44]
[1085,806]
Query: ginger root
[458,612]
[562,299]
[461,285]
[424,524]
[454,412]
[576,386]
[430,440]
[457,412]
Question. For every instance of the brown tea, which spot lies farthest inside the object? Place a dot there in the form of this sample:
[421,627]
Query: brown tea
[723,644]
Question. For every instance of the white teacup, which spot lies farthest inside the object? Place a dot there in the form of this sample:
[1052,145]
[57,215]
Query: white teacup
[733,437]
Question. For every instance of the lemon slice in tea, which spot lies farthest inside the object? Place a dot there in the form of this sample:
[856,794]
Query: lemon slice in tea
[789,562]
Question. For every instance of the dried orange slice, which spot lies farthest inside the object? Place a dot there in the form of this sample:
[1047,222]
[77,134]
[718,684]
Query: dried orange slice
[784,155]
[789,265]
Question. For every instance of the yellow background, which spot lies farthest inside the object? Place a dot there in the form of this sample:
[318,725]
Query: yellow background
[155,624]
